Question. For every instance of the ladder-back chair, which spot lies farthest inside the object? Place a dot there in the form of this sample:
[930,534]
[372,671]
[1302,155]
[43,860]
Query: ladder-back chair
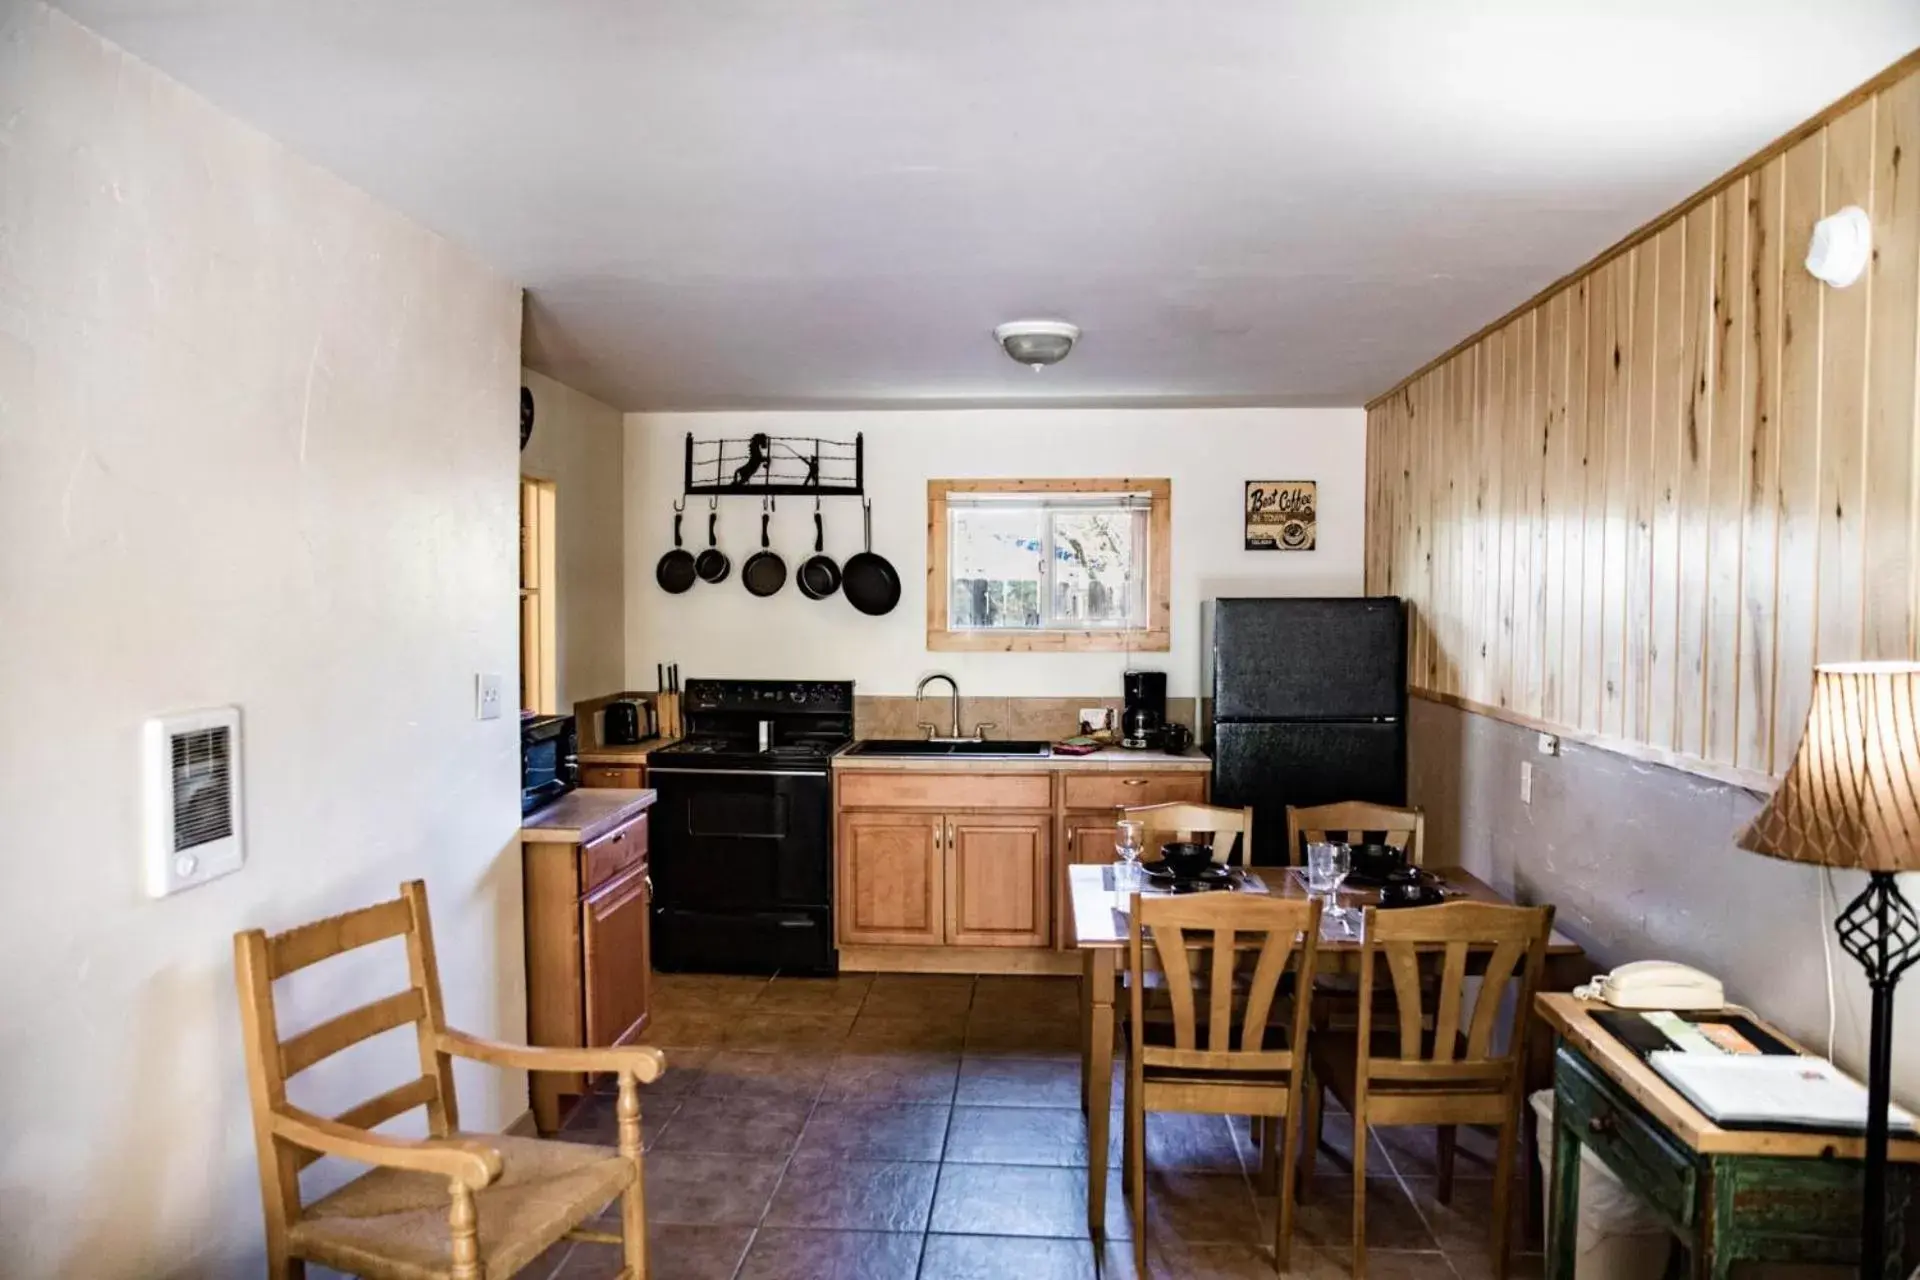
[1442,1068]
[1356,822]
[463,1206]
[1227,1062]
[1180,820]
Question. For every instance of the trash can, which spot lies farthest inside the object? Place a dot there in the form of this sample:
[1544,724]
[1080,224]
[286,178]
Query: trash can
[1619,1237]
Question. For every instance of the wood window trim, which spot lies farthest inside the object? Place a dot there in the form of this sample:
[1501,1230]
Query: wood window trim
[1155,637]
[539,597]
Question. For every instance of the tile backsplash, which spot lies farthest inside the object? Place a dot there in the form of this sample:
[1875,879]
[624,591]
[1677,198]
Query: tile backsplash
[1034,718]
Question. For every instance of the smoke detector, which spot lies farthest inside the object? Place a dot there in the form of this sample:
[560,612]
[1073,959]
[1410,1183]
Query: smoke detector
[1037,343]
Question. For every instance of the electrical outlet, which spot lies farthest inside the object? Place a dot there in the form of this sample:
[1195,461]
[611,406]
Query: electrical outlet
[1548,744]
[486,697]
[1094,719]
[1526,782]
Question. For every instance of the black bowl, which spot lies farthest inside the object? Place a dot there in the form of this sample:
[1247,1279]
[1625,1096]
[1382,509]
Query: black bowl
[1187,858]
[1412,887]
[1373,863]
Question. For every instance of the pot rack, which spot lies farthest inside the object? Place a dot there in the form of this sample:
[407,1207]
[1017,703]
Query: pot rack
[771,466]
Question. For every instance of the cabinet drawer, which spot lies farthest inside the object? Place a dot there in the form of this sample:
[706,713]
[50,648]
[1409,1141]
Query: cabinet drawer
[1125,790]
[613,775]
[1620,1133]
[612,853]
[946,791]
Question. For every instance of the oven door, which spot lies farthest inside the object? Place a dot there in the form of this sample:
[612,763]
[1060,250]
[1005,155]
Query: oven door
[734,841]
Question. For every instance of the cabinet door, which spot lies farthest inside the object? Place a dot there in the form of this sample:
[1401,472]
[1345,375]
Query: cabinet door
[1086,837]
[616,938]
[998,868]
[890,878]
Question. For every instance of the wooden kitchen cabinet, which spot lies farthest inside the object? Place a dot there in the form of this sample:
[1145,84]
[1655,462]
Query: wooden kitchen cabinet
[616,957]
[968,866]
[613,775]
[891,881]
[589,954]
[997,870]
[1092,805]
[959,859]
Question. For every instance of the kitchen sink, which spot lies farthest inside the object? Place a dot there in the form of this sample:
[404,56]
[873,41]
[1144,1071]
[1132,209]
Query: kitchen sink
[921,748]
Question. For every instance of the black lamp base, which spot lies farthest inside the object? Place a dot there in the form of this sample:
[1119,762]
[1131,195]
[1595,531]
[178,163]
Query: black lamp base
[1881,931]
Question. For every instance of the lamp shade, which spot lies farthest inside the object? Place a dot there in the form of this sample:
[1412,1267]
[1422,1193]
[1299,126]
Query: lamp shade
[1851,797]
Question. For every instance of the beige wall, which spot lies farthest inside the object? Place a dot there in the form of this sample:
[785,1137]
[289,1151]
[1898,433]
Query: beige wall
[577,445]
[258,448]
[1639,862]
[1638,511]
[1208,453]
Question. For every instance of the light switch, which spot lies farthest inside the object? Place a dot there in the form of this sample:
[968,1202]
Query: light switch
[486,697]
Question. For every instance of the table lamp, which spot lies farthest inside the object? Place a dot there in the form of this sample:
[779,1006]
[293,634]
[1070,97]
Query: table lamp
[1851,799]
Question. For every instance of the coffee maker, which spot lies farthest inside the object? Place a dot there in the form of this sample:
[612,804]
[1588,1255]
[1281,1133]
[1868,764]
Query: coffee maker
[1146,709]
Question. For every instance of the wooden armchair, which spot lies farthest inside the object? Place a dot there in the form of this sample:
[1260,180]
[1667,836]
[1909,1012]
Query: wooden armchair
[1233,1045]
[1442,1069]
[1354,822]
[458,1206]
[1180,819]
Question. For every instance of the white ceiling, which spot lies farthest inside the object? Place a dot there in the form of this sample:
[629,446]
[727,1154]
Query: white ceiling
[756,203]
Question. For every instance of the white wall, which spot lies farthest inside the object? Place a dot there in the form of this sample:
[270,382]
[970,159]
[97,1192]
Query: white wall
[256,446]
[1209,454]
[577,445]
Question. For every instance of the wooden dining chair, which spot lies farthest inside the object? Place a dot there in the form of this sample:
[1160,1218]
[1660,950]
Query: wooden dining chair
[1443,1068]
[1356,822]
[1236,1060]
[459,1205]
[1181,820]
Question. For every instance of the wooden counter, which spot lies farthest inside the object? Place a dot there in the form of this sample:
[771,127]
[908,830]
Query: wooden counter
[584,815]
[959,865]
[633,755]
[586,863]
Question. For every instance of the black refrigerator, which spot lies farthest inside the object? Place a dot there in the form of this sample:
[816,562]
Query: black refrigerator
[1304,702]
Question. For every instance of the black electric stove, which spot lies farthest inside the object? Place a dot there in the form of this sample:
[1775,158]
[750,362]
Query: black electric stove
[742,831]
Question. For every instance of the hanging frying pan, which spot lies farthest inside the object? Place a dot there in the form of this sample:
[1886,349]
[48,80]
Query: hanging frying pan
[712,564]
[764,572]
[819,577]
[675,572]
[871,583]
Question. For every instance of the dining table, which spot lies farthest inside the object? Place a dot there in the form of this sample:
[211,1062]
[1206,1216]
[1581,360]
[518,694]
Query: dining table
[1100,895]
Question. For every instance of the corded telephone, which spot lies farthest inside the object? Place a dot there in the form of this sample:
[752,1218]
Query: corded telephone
[1657,984]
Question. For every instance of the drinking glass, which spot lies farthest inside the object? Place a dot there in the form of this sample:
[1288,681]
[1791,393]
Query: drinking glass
[1129,838]
[1327,868]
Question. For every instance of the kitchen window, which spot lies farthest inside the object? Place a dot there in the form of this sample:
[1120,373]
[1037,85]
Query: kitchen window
[1062,565]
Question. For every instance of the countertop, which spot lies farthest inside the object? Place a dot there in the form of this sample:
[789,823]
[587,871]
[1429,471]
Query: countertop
[1107,759]
[584,815]
[634,754]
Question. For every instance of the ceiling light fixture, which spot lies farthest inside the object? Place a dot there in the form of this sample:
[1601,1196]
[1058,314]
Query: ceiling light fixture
[1037,343]
[1841,247]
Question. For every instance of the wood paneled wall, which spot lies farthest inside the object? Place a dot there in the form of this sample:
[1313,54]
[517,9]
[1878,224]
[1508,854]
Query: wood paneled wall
[1642,507]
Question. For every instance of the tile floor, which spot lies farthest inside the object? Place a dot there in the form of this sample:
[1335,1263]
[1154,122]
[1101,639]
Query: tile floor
[883,1128]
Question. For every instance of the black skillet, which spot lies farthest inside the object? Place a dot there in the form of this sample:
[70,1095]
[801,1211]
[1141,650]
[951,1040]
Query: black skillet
[819,577]
[712,564]
[764,572]
[871,583]
[675,572]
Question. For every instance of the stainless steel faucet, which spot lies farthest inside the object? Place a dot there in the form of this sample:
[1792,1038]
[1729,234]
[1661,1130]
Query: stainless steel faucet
[920,690]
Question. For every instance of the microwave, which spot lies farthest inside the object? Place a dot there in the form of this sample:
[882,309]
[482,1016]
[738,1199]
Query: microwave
[549,760]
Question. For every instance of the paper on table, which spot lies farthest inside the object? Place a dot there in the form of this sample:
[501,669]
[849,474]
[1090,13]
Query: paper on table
[1685,1036]
[1771,1089]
